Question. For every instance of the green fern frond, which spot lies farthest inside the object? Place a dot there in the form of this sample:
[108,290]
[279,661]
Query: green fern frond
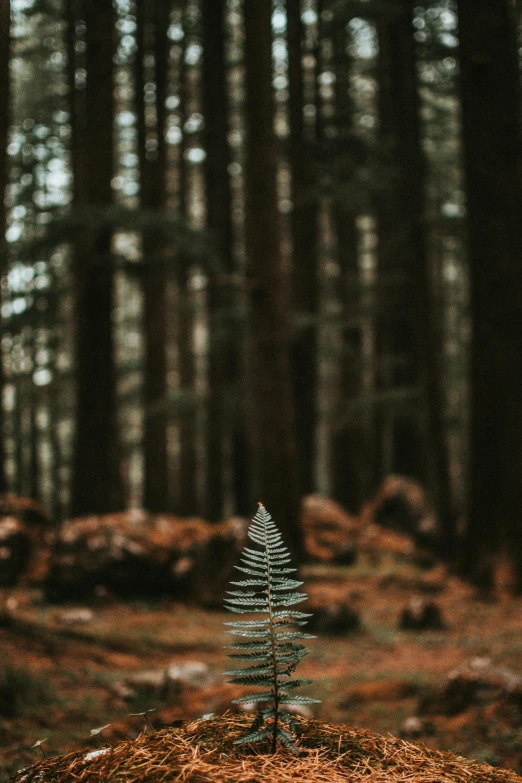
[253,737]
[287,740]
[250,680]
[247,623]
[294,614]
[254,698]
[299,700]
[254,656]
[291,721]
[272,651]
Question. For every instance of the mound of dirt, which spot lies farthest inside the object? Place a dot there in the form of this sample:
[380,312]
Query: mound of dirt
[330,532]
[478,682]
[203,751]
[24,544]
[134,553]
[402,504]
[28,511]
[421,615]
[15,547]
[335,618]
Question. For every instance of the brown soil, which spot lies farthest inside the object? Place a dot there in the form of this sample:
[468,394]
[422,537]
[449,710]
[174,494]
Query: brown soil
[61,679]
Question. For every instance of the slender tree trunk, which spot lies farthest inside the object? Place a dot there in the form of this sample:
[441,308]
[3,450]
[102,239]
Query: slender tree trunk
[396,340]
[387,260]
[305,281]
[187,474]
[5,105]
[77,98]
[492,146]
[348,457]
[271,424]
[34,434]
[410,344]
[152,26]
[318,69]
[223,357]
[96,479]
[345,217]
[427,333]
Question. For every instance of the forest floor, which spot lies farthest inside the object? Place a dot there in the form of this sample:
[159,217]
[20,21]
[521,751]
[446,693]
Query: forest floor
[65,672]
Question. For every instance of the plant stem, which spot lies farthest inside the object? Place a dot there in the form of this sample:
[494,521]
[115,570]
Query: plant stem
[272,643]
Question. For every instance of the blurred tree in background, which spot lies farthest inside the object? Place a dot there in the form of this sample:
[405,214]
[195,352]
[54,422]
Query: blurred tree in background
[5,106]
[258,250]
[492,136]
[96,480]
[150,91]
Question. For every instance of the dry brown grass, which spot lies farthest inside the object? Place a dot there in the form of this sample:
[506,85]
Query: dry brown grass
[202,751]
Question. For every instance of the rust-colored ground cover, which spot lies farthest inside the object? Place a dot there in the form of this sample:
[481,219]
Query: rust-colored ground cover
[69,677]
[203,751]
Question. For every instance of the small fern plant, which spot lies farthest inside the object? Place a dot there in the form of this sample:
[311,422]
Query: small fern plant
[271,644]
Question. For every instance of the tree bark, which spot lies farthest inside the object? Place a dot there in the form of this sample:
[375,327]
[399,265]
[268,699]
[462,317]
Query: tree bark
[187,499]
[223,356]
[271,423]
[152,27]
[305,279]
[96,479]
[492,145]
[5,113]
[397,358]
[410,342]
[348,459]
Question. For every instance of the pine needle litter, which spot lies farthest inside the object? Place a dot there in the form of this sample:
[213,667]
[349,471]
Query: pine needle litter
[203,751]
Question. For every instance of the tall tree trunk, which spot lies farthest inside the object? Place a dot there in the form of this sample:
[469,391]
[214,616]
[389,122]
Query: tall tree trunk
[305,280]
[223,357]
[427,343]
[153,20]
[410,343]
[96,479]
[271,423]
[349,457]
[5,104]
[187,475]
[396,340]
[492,146]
